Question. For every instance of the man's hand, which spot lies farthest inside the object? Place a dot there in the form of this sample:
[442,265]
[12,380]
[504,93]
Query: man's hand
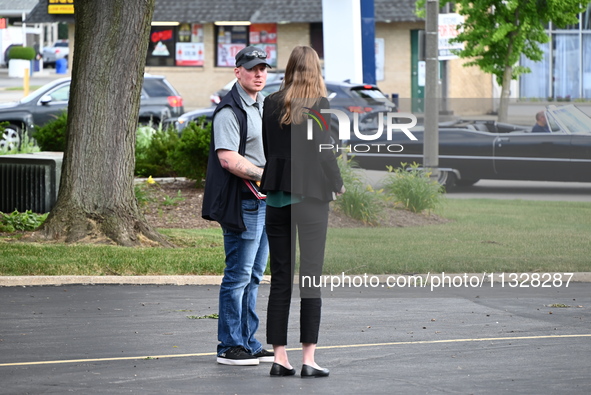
[239,165]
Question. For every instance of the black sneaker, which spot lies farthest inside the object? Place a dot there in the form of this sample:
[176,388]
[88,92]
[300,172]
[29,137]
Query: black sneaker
[265,356]
[237,356]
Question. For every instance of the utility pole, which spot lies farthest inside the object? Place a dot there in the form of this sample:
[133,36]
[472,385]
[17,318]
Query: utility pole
[431,134]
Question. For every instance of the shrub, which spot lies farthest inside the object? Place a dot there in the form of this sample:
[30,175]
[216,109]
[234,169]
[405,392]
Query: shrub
[142,142]
[359,201]
[158,152]
[153,158]
[189,158]
[26,221]
[25,53]
[413,188]
[52,135]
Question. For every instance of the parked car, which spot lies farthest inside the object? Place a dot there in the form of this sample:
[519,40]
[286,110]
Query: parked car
[351,98]
[472,151]
[181,122]
[159,100]
[59,50]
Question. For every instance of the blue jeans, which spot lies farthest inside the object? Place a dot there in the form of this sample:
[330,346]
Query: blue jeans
[246,260]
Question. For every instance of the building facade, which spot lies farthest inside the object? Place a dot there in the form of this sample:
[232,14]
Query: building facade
[193,43]
[564,74]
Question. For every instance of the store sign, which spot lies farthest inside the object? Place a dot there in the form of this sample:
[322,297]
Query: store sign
[60,6]
[448,29]
[189,54]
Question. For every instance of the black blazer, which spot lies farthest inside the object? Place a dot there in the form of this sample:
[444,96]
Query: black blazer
[294,163]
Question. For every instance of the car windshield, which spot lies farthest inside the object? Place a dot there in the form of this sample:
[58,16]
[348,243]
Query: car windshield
[570,119]
[371,95]
[156,88]
[35,94]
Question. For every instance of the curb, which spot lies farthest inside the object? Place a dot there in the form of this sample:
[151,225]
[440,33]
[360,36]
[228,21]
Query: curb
[23,281]
[442,278]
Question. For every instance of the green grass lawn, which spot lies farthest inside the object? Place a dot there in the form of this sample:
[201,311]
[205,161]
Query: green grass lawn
[20,88]
[483,236]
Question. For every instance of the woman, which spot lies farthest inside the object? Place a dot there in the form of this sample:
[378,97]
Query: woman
[300,180]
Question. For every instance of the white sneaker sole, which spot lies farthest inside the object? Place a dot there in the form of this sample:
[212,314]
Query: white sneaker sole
[266,359]
[238,362]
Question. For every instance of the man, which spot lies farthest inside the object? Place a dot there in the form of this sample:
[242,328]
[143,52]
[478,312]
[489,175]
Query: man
[541,125]
[238,119]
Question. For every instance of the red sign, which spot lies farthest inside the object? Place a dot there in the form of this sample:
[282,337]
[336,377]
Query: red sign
[2,23]
[163,35]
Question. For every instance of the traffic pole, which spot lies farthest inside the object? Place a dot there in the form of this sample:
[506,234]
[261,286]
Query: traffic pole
[431,134]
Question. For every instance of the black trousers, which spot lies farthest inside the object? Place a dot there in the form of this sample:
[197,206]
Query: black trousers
[309,220]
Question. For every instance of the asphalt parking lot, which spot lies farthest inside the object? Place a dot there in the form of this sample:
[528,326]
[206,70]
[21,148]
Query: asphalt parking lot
[155,339]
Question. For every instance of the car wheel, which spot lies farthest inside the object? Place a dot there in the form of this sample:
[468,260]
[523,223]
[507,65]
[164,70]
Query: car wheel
[10,139]
[447,179]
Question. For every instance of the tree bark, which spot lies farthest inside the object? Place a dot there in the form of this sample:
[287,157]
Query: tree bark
[96,200]
[503,114]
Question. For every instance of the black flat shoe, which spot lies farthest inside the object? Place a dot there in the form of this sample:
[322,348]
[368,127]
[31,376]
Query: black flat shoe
[280,370]
[310,372]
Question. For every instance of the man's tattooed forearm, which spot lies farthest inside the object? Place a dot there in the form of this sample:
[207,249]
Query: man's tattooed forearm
[255,174]
[252,172]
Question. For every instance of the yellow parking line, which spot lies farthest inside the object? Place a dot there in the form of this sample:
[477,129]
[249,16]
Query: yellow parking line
[109,359]
[455,341]
[296,349]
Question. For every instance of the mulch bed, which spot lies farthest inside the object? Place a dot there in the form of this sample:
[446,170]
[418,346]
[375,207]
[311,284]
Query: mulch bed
[167,210]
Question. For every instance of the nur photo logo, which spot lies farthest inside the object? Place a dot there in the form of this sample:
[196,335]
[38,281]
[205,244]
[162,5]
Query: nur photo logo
[314,115]
[389,121]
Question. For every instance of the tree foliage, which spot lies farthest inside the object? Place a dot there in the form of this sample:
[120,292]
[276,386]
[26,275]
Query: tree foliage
[496,33]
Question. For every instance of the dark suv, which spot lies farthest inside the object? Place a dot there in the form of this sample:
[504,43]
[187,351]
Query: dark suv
[159,100]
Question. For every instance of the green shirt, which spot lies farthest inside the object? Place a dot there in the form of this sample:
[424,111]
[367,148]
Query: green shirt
[282,199]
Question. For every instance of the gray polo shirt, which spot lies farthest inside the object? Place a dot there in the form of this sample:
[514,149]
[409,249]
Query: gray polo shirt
[227,130]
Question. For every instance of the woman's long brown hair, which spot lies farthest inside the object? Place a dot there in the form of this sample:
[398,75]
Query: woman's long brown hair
[303,84]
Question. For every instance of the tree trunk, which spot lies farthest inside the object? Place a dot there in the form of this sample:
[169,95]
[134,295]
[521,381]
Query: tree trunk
[503,115]
[96,201]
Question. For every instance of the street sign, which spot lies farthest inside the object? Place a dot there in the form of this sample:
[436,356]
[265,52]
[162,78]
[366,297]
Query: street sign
[448,24]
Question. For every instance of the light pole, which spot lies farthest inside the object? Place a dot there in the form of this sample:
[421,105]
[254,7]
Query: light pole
[431,134]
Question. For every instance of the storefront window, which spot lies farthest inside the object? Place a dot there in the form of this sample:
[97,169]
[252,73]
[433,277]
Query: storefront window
[566,66]
[189,47]
[586,18]
[180,45]
[564,73]
[536,85]
[587,66]
[264,36]
[231,39]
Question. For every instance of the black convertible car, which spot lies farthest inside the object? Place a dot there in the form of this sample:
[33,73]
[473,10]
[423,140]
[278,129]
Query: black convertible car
[471,151]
